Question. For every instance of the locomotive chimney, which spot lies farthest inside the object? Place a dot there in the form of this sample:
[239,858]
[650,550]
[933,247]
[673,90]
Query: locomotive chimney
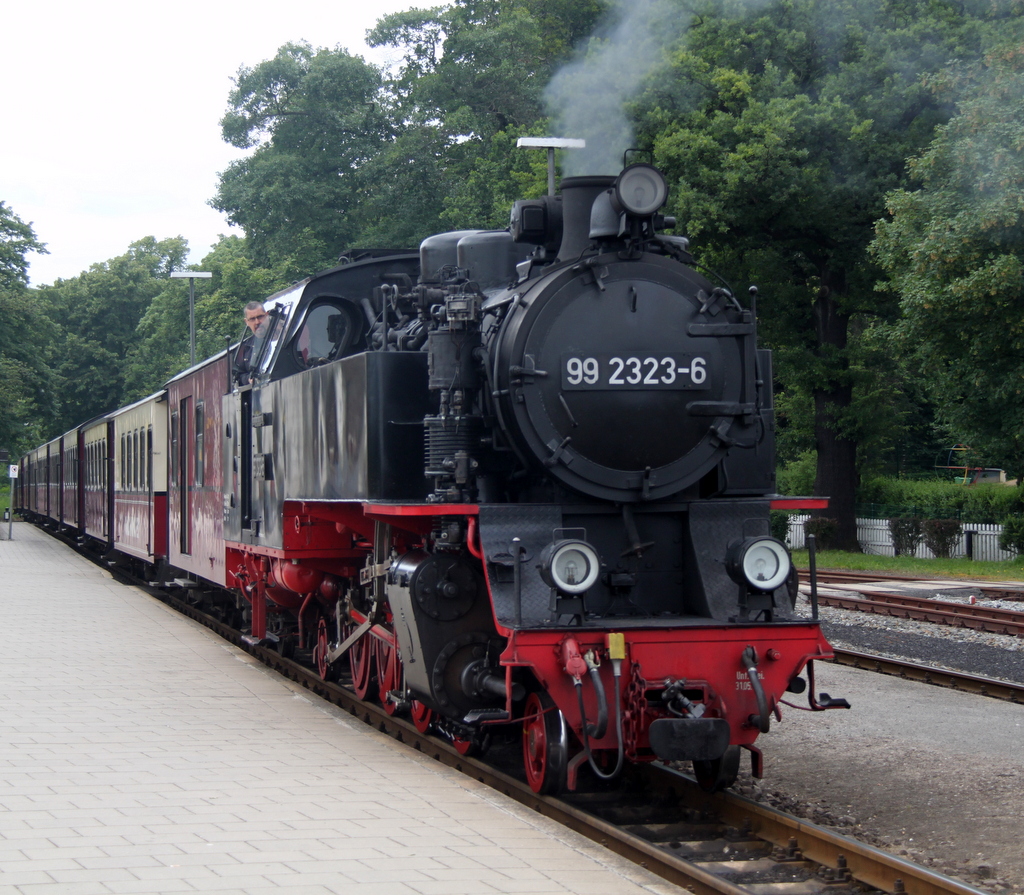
[578,194]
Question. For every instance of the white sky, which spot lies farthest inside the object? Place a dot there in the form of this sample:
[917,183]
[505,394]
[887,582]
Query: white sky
[109,119]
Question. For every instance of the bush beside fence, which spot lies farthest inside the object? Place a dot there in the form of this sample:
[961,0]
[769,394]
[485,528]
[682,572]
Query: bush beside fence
[874,537]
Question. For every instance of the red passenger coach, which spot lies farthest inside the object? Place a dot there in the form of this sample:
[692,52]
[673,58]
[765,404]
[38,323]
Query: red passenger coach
[139,436]
[195,498]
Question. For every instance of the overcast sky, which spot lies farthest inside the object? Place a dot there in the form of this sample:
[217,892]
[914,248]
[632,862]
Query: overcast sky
[110,113]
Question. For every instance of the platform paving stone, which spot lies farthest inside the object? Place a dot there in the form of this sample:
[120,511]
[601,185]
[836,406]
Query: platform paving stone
[139,753]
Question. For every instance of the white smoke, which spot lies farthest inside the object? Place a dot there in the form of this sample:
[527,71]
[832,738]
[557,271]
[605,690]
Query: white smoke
[587,98]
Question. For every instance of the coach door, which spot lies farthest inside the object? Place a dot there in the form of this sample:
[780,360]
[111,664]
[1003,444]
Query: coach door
[186,436]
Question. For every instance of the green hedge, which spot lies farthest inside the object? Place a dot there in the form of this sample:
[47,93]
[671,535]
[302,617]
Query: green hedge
[895,498]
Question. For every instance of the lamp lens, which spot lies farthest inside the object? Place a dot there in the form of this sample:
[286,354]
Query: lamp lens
[571,566]
[766,564]
[641,189]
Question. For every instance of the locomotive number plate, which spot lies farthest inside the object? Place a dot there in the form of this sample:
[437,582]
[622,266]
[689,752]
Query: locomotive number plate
[669,371]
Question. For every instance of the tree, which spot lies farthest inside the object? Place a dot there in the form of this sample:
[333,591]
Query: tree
[161,345]
[344,159]
[782,129]
[17,239]
[953,249]
[97,314]
[314,117]
[27,393]
[482,62]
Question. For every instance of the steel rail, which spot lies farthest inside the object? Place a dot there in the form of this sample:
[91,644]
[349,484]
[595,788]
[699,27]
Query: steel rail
[1010,591]
[1007,691]
[957,615]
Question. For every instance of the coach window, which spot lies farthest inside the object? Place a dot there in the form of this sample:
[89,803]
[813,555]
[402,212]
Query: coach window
[174,447]
[135,459]
[200,443]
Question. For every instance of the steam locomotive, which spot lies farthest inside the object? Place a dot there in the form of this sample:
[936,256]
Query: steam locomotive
[519,480]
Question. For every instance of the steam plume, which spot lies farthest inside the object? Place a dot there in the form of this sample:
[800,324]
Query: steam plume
[587,97]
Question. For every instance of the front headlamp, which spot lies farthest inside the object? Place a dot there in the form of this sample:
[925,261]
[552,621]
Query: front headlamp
[762,563]
[570,566]
[641,190]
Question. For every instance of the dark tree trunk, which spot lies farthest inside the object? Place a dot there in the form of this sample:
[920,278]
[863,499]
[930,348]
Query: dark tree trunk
[833,396]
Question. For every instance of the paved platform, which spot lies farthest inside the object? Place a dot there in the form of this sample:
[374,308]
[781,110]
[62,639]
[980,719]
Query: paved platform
[139,753]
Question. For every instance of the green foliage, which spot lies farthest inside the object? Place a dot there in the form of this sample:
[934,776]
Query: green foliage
[161,347]
[939,499]
[796,478]
[315,117]
[782,127]
[17,240]
[954,251]
[27,385]
[96,315]
[825,531]
[941,535]
[1012,536]
[779,522]
[906,535]
[482,62]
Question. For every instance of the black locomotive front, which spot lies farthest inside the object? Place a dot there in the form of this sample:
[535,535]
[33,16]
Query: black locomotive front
[596,428]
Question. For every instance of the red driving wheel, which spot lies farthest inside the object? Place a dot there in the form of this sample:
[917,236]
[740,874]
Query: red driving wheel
[545,744]
[389,673]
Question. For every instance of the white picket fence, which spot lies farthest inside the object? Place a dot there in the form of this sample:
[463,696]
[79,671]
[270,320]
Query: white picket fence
[873,536]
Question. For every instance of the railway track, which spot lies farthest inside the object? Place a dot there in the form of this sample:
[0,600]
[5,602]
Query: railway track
[961,615]
[660,819]
[839,576]
[1007,691]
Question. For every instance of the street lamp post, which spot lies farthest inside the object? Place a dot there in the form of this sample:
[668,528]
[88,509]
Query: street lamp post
[191,274]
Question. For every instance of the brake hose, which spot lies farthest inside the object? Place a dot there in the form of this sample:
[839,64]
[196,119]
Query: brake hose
[598,730]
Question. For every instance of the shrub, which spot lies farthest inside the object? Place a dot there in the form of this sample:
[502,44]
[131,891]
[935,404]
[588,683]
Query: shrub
[941,535]
[1012,535]
[906,535]
[797,477]
[825,531]
[941,500]
[780,525]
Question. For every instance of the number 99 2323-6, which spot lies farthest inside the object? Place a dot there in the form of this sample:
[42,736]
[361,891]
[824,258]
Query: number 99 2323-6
[672,371]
